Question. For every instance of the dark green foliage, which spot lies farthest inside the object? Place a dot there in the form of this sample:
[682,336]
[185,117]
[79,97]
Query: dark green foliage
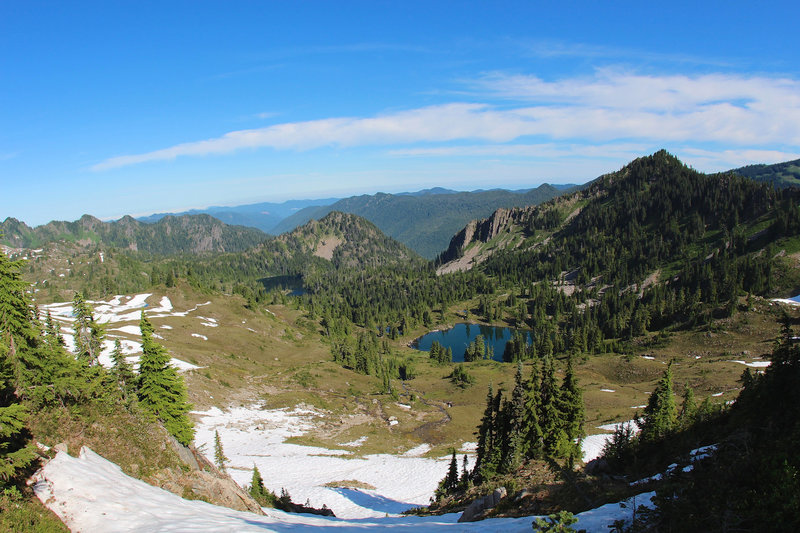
[450,483]
[751,483]
[461,377]
[262,495]
[219,454]
[89,334]
[476,350]
[785,174]
[161,390]
[560,522]
[440,354]
[424,223]
[123,372]
[661,413]
[539,421]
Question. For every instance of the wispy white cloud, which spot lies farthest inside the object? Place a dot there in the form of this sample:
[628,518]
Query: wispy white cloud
[754,113]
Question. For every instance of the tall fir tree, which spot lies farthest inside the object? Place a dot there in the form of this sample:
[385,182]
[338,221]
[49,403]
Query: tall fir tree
[661,414]
[89,334]
[122,371]
[161,389]
[220,458]
[16,336]
[534,439]
[572,409]
[516,421]
[550,417]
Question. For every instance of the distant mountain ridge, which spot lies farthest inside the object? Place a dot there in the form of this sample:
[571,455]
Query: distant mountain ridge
[643,198]
[170,235]
[263,216]
[786,174]
[424,222]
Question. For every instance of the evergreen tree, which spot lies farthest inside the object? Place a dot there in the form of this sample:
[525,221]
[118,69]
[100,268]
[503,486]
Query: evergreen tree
[517,429]
[219,454]
[161,390]
[260,494]
[450,482]
[122,371]
[661,413]
[16,451]
[534,440]
[555,439]
[89,334]
[485,436]
[572,409]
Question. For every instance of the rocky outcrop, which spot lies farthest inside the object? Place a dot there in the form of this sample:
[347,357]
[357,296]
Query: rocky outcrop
[479,507]
[482,231]
[204,481]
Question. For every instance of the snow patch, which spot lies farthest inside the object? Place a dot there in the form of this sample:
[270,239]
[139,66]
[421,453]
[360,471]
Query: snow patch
[754,364]
[200,336]
[607,390]
[90,493]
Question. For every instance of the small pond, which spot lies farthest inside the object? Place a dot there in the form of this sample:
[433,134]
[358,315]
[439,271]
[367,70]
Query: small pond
[461,335]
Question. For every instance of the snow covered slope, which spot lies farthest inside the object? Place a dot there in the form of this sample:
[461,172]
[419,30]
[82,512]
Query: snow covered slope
[91,494]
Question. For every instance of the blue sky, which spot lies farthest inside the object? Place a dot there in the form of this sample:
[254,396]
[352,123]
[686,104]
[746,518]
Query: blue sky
[114,108]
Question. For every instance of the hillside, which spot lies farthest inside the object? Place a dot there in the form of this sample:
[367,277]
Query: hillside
[424,222]
[786,174]
[264,215]
[654,213]
[170,235]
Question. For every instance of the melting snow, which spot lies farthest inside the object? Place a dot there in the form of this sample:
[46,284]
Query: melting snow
[200,336]
[754,364]
[90,493]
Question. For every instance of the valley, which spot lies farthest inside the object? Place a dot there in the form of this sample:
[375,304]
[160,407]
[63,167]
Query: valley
[297,359]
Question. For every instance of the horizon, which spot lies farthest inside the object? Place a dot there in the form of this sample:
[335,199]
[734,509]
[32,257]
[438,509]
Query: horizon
[144,108]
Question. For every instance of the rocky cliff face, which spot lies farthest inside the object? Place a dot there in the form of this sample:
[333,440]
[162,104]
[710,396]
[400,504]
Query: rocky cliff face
[483,231]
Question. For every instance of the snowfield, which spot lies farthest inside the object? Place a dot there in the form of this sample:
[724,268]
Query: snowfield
[115,311]
[91,494]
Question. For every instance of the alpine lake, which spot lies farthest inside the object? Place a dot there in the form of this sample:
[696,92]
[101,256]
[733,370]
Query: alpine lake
[462,334]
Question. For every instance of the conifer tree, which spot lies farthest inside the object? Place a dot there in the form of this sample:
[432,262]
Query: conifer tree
[661,413]
[534,441]
[161,390]
[260,494]
[16,333]
[485,435]
[450,482]
[219,454]
[122,371]
[572,409]
[550,418]
[89,334]
[517,429]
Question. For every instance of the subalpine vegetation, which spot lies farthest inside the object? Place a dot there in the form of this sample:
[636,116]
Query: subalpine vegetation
[114,409]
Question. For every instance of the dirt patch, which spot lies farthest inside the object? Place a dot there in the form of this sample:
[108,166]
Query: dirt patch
[326,248]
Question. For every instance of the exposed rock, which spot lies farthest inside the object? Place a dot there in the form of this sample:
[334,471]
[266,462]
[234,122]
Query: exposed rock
[477,509]
[204,482]
[185,454]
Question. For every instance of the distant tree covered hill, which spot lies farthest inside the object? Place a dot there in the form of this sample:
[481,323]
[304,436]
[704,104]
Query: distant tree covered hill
[170,235]
[264,215]
[785,174]
[424,222]
[654,213]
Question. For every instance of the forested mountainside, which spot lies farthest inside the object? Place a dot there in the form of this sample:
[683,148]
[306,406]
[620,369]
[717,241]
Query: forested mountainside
[338,242]
[263,215]
[786,174]
[424,222]
[170,235]
[655,260]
